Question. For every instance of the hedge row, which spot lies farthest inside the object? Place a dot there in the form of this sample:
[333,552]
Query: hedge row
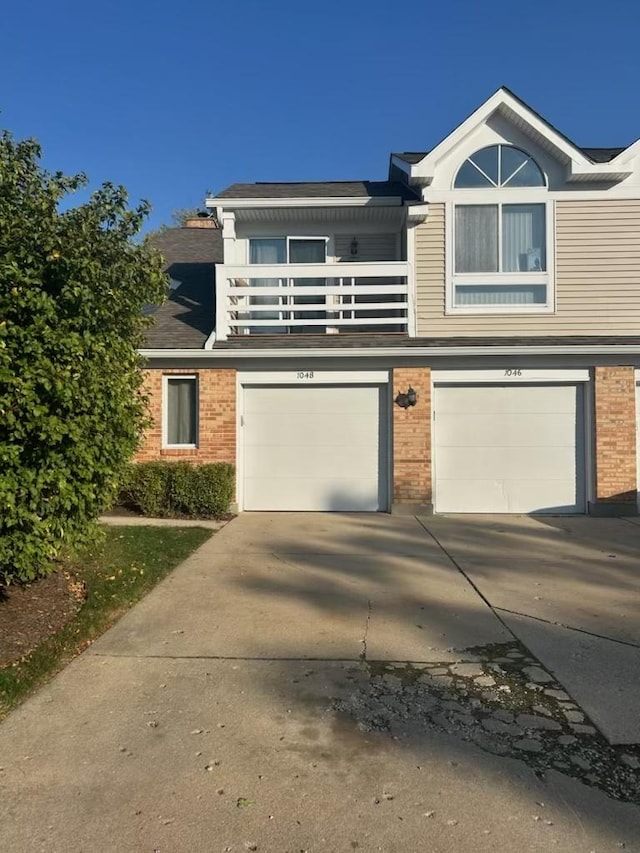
[166,489]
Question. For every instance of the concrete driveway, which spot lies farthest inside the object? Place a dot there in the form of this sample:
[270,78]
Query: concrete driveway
[221,714]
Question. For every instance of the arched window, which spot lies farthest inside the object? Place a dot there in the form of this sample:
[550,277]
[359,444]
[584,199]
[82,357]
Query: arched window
[499,166]
[500,259]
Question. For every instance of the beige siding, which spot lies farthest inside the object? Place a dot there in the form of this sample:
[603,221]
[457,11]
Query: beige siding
[430,270]
[371,247]
[597,276]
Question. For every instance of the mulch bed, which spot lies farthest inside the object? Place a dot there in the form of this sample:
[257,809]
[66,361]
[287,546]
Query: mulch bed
[31,613]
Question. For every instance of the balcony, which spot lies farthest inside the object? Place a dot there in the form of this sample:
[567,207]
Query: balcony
[324,298]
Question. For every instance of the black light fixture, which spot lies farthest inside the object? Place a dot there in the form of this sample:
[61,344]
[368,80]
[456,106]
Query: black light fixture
[354,246]
[406,399]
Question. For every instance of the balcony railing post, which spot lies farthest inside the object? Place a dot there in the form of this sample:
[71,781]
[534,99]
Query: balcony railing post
[222,305]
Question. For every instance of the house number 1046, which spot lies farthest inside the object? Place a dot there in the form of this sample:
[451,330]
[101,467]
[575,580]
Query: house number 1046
[513,372]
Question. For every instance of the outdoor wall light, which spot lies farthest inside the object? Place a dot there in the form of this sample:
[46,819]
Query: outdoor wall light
[409,398]
[354,246]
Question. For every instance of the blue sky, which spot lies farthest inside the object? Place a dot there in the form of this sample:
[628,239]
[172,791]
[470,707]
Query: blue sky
[174,99]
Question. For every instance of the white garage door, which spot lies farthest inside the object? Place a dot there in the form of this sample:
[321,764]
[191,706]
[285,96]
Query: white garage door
[509,448]
[314,448]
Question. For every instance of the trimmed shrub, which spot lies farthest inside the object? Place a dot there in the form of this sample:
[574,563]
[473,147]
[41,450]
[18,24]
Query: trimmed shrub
[149,488]
[166,489]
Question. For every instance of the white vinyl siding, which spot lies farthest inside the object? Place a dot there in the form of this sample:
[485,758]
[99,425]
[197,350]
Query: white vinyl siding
[509,448]
[597,276]
[371,247]
[314,448]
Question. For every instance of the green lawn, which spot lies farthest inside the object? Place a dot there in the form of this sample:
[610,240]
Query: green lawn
[117,573]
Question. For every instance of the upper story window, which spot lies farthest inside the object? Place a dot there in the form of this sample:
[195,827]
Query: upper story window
[499,166]
[499,259]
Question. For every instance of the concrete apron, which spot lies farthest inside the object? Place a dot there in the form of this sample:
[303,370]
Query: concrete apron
[569,589]
[204,719]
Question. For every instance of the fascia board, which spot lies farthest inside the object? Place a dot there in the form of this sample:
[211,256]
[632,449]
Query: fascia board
[424,169]
[390,352]
[402,164]
[326,201]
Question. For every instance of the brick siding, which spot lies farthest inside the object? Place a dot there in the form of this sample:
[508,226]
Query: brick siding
[216,418]
[412,437]
[615,433]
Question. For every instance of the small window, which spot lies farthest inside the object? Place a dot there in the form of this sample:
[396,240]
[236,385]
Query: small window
[499,166]
[181,411]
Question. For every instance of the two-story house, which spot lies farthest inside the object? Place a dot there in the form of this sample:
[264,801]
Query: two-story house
[462,337]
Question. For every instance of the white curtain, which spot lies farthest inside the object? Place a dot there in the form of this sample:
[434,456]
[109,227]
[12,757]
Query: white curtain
[500,294]
[523,250]
[523,243]
[181,411]
[476,238]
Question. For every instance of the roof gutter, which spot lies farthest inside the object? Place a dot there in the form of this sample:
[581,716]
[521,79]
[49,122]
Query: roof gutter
[386,352]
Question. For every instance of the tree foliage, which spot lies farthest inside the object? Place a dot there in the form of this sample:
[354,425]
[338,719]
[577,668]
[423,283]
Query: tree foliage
[73,284]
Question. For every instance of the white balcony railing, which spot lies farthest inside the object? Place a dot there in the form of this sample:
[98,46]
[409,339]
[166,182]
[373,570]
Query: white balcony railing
[312,298]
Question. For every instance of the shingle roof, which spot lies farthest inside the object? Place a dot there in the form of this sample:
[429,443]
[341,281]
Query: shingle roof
[373,341]
[411,157]
[602,155]
[187,318]
[596,155]
[321,189]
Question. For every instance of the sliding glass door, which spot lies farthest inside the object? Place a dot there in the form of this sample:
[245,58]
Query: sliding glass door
[282,250]
[308,251]
[266,251]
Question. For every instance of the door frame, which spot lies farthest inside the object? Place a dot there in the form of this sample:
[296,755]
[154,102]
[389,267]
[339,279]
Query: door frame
[305,376]
[523,376]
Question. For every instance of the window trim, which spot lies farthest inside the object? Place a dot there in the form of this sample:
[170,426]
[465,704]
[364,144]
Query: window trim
[536,195]
[287,239]
[166,378]
[501,186]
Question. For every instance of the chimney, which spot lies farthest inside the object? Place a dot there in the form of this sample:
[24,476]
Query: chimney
[202,220]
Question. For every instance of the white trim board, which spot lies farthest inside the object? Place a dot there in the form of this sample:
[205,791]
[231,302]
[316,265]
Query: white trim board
[324,201]
[166,378]
[524,350]
[512,376]
[314,377]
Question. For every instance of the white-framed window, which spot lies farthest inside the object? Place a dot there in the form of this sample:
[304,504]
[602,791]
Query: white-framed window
[500,228]
[180,411]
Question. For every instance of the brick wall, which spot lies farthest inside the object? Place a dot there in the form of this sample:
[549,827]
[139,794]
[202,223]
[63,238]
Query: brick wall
[412,437]
[217,418]
[615,433]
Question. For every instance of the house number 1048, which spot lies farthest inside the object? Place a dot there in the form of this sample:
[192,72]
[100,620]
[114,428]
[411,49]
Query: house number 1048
[305,374]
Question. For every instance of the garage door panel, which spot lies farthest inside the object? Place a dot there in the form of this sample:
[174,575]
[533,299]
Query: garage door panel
[311,399]
[496,463]
[273,429]
[509,496]
[339,495]
[522,430]
[314,448]
[509,448]
[314,465]
[506,399]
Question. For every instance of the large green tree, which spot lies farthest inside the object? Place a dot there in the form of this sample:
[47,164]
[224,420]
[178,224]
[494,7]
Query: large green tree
[73,285]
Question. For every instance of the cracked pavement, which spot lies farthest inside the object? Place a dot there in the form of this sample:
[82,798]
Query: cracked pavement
[285,689]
